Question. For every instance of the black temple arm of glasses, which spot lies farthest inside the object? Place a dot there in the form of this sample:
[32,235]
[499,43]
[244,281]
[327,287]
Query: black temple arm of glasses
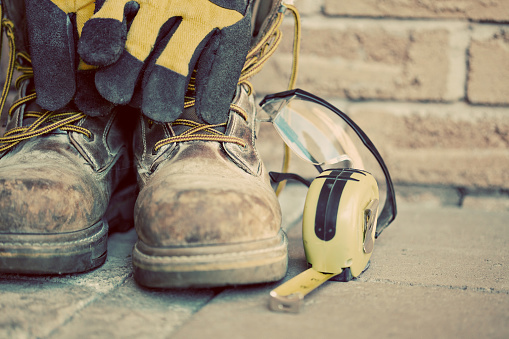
[278,177]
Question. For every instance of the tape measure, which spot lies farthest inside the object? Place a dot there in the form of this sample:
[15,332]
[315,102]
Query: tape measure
[338,231]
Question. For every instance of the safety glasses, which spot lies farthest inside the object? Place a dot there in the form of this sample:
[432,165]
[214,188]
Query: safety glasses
[321,134]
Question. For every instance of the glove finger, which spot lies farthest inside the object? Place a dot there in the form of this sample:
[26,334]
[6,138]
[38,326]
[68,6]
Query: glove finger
[116,82]
[103,37]
[171,65]
[87,98]
[200,20]
[51,36]
[218,71]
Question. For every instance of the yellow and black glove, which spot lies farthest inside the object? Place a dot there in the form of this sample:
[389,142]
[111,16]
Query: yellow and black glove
[156,54]
[54,27]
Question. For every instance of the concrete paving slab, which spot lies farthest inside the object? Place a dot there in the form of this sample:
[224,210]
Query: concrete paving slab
[33,309]
[465,296]
[110,275]
[40,305]
[436,272]
[444,247]
[34,306]
[134,312]
[355,310]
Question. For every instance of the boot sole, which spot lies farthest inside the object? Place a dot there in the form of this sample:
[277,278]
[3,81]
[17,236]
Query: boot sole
[211,266]
[59,253]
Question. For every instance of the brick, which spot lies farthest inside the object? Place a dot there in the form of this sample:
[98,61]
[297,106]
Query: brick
[427,196]
[33,309]
[488,76]
[468,168]
[133,312]
[493,203]
[308,7]
[440,144]
[477,10]
[435,144]
[364,59]
[426,144]
[416,126]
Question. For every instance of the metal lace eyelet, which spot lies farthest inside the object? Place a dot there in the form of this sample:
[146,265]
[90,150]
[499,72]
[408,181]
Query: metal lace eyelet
[91,137]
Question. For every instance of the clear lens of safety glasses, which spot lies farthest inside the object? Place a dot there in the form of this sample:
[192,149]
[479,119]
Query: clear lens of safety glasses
[314,133]
[320,133]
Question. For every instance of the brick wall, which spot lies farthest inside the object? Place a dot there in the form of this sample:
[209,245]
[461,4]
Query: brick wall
[428,80]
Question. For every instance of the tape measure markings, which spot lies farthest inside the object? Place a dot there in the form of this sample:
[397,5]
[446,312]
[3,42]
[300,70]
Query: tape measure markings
[288,296]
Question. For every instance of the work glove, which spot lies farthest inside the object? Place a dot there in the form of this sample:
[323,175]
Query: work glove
[157,54]
[53,28]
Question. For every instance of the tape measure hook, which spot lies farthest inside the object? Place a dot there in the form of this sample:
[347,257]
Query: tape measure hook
[288,303]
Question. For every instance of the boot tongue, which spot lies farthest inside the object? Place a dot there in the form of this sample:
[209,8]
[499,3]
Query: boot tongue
[31,107]
[190,114]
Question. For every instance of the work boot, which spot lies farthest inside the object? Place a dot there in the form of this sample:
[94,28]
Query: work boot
[63,178]
[55,190]
[206,214]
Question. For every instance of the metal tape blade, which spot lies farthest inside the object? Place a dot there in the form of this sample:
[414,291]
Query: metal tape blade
[288,296]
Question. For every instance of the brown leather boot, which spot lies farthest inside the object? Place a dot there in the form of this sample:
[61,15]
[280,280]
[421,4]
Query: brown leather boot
[55,190]
[206,214]
[64,177]
[60,174]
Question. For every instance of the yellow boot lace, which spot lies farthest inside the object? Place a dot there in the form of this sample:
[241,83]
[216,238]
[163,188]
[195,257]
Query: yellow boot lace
[45,121]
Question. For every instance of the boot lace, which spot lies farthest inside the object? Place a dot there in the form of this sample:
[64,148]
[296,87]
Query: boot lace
[45,121]
[256,58]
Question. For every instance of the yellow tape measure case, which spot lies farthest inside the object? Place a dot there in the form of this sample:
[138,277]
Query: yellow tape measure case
[339,220]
